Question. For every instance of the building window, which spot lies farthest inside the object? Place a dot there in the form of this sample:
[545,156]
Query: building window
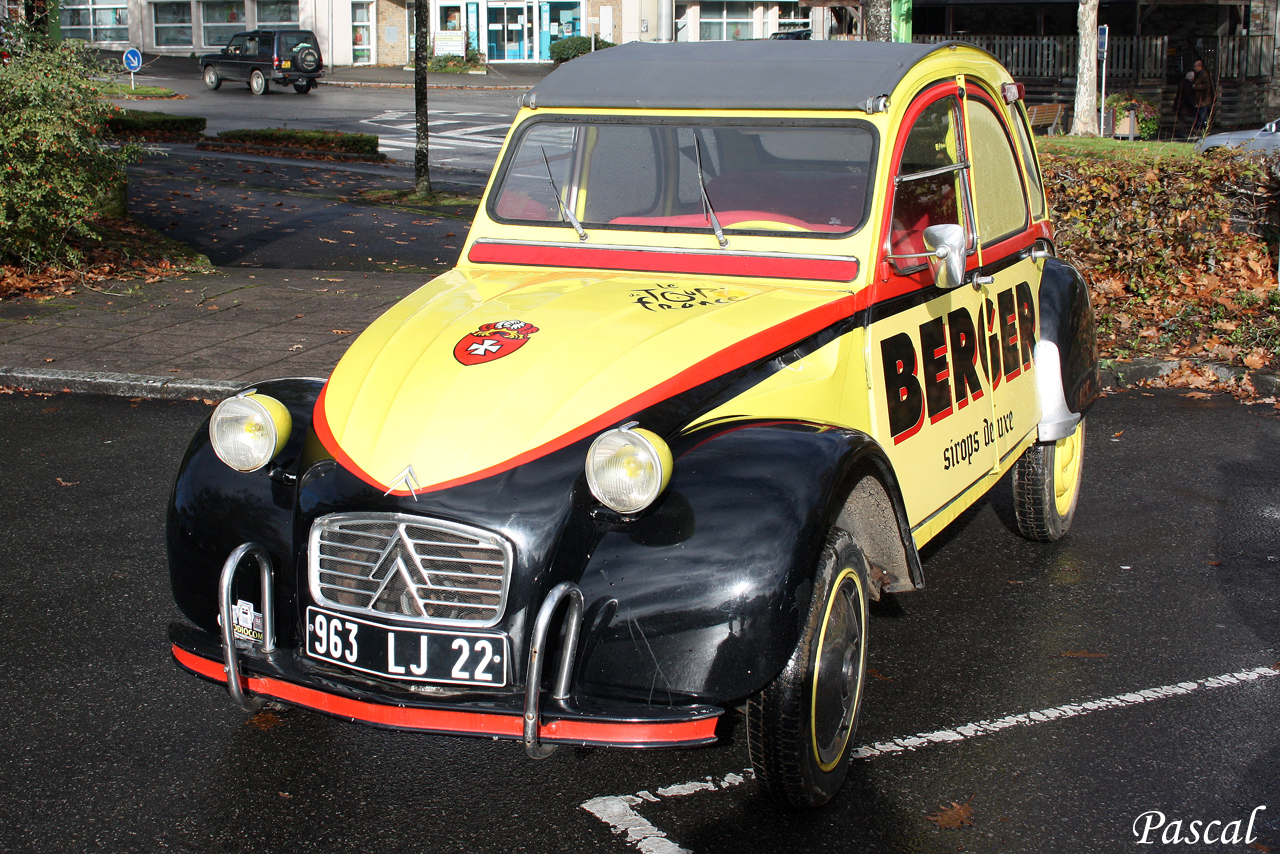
[274,12]
[95,20]
[726,22]
[362,32]
[790,17]
[172,24]
[222,20]
[682,22]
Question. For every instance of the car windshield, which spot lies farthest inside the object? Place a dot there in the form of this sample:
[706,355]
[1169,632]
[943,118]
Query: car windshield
[797,177]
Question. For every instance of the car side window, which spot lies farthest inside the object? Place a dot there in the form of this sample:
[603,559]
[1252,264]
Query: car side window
[997,181]
[1029,159]
[236,45]
[251,46]
[929,187]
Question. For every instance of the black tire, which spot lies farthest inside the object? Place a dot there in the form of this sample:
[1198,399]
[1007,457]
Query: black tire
[800,729]
[1046,486]
[307,60]
[258,83]
[304,87]
[211,77]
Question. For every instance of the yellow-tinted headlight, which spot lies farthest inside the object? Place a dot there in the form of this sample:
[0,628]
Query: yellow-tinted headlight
[627,468]
[248,430]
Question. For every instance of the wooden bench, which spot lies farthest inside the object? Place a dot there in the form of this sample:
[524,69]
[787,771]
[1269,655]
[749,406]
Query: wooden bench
[1046,116]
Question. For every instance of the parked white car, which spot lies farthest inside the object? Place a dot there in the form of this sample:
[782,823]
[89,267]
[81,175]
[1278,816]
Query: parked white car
[1265,139]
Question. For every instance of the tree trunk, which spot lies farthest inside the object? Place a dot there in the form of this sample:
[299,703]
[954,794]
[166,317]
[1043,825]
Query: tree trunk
[422,58]
[878,19]
[1085,120]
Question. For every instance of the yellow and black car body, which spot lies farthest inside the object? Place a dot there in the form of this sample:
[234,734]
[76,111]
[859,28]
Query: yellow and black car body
[737,329]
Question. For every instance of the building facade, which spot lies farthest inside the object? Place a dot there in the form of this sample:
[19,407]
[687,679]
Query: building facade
[381,32]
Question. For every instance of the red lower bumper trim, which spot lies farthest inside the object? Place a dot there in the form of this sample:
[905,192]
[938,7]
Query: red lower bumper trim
[453,722]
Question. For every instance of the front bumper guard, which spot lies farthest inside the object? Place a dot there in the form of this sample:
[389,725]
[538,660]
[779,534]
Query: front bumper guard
[262,672]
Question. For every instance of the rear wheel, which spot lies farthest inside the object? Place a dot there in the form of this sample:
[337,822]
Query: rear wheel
[1046,486]
[303,87]
[800,729]
[258,83]
[211,78]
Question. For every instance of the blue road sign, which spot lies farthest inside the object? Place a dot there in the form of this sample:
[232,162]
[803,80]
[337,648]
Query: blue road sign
[132,59]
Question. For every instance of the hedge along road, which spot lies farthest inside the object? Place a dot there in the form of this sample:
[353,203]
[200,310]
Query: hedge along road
[1169,579]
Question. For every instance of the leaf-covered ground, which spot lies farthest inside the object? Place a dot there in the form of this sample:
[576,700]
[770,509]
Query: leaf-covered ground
[125,249]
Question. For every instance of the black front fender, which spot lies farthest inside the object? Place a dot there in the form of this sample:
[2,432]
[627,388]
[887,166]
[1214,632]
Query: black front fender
[213,509]
[703,598]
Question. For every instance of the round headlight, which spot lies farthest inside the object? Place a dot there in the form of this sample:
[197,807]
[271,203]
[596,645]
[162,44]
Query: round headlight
[628,468]
[248,430]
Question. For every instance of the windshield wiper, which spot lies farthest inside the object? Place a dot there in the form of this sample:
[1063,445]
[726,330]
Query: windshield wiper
[707,210]
[573,220]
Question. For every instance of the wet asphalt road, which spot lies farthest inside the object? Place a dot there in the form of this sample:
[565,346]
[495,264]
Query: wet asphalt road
[1171,574]
[272,213]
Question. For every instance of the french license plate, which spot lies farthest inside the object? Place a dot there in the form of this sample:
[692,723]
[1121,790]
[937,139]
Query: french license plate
[286,63]
[415,655]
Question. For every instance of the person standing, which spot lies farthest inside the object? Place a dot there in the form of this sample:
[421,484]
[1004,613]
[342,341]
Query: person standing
[1206,94]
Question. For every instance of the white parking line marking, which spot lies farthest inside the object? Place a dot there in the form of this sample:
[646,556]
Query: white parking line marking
[618,811]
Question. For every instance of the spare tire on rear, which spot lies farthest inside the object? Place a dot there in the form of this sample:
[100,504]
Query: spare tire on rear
[308,59]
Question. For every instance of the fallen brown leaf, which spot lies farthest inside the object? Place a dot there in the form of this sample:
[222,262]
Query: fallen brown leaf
[1214,562]
[62,482]
[340,331]
[955,816]
[1197,395]
[264,721]
[876,674]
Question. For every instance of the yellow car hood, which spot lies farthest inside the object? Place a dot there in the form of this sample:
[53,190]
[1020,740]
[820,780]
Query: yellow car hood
[479,371]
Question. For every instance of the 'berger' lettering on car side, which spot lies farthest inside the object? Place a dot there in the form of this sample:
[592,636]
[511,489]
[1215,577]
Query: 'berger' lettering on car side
[942,374]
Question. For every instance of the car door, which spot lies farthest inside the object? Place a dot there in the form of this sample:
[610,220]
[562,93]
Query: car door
[231,67]
[931,405]
[1008,276]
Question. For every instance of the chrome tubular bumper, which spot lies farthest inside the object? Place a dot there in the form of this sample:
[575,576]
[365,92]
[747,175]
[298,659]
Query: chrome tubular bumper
[533,675]
[235,684]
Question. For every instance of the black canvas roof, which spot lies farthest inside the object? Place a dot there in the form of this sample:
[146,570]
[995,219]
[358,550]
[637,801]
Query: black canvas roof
[754,75]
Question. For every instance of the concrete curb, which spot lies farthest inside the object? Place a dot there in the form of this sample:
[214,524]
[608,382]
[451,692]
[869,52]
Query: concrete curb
[119,385]
[1119,373]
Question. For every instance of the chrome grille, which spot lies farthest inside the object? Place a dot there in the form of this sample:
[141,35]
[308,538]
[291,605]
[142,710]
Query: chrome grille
[409,568]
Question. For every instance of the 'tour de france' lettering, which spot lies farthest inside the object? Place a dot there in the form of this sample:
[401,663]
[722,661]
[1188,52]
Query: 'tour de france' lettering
[941,375]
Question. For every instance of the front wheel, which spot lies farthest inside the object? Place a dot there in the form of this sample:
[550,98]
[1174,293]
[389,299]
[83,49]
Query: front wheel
[211,78]
[258,83]
[800,729]
[1046,486]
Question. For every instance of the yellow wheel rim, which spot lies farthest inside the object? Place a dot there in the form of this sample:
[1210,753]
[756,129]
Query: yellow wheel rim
[836,691]
[1067,456]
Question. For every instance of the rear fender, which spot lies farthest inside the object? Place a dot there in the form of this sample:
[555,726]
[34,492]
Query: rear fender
[214,508]
[704,596]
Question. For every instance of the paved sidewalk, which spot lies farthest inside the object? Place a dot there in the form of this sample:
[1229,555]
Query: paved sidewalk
[205,335]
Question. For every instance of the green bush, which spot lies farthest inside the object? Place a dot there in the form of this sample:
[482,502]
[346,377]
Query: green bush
[312,140]
[54,164]
[1147,112]
[152,125]
[575,46]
